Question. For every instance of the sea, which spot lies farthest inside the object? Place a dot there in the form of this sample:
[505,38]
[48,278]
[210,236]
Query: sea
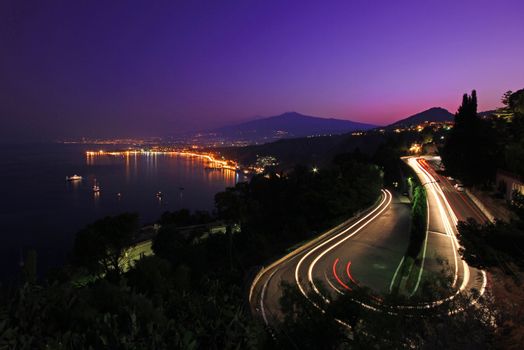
[40,210]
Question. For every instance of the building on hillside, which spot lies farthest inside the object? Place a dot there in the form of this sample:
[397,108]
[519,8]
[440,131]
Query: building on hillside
[266,161]
[507,183]
[435,126]
[503,113]
[198,233]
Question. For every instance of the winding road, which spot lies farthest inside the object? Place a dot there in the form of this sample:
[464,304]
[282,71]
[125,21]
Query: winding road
[368,251]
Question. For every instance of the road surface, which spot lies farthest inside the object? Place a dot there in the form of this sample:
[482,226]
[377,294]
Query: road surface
[441,244]
[368,251]
[463,207]
[364,251]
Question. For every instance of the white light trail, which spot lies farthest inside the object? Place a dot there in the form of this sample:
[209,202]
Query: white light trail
[297,268]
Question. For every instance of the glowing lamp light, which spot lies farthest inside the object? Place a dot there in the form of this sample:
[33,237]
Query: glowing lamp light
[415,148]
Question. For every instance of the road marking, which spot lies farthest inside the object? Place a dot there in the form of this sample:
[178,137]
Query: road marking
[439,233]
[474,208]
[312,265]
[332,285]
[425,247]
[450,230]
[297,268]
[263,294]
[395,274]
[295,253]
[430,181]
[453,237]
[464,264]
[310,245]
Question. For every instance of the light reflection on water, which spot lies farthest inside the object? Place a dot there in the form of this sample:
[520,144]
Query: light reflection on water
[40,209]
[166,173]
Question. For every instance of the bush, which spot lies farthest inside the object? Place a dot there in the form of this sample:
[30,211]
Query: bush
[418,222]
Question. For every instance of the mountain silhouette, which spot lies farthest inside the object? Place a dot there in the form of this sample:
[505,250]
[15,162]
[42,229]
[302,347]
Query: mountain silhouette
[290,124]
[435,114]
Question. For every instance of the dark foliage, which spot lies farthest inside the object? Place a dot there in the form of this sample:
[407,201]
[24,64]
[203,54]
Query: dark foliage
[470,151]
[388,156]
[190,295]
[129,315]
[276,211]
[184,217]
[514,136]
[100,246]
[419,219]
[306,326]
[475,148]
[492,245]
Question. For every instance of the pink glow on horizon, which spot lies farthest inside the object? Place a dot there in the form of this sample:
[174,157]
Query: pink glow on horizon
[147,70]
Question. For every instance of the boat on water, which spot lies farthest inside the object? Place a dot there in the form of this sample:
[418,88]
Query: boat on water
[96,187]
[159,194]
[73,178]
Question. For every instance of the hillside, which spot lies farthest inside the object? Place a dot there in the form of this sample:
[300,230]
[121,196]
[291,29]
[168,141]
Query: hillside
[435,114]
[306,150]
[289,125]
[320,150]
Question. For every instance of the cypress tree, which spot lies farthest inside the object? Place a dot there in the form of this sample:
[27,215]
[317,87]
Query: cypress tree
[460,153]
[474,103]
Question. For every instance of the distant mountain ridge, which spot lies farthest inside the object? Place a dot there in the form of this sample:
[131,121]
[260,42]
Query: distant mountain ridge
[290,124]
[434,114]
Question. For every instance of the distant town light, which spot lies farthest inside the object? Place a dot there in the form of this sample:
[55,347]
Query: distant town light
[415,148]
[315,170]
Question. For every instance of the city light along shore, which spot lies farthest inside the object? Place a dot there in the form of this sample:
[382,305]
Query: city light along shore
[211,160]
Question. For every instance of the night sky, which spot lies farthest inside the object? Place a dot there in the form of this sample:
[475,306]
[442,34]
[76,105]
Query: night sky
[127,68]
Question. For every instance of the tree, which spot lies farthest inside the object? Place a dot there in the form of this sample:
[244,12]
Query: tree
[459,144]
[515,157]
[388,156]
[232,207]
[305,326]
[184,217]
[517,203]
[492,244]
[29,267]
[514,139]
[470,152]
[506,97]
[418,222]
[151,276]
[516,102]
[231,204]
[101,246]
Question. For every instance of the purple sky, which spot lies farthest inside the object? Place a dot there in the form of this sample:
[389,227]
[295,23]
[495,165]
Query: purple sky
[118,68]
